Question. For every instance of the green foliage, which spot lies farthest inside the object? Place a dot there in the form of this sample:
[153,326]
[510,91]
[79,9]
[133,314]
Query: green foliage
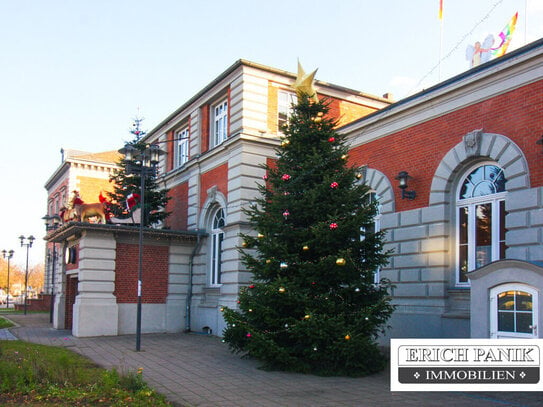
[44,375]
[125,184]
[313,305]
[4,323]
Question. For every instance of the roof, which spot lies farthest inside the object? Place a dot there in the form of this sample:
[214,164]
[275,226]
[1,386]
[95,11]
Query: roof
[243,62]
[77,228]
[106,157]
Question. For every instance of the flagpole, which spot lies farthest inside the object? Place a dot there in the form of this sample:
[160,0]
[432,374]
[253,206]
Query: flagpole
[440,15]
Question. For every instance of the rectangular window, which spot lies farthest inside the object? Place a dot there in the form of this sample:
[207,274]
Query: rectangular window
[372,229]
[285,100]
[481,236]
[216,260]
[181,147]
[220,123]
[463,244]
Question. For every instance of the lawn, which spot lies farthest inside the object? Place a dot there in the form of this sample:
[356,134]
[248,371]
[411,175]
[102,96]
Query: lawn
[39,375]
[4,323]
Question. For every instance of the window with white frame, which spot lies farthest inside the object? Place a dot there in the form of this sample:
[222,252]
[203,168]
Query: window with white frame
[373,228]
[217,238]
[181,147]
[480,209]
[285,100]
[219,123]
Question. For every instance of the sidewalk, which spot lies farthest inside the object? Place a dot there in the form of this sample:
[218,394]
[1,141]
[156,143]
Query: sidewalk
[199,370]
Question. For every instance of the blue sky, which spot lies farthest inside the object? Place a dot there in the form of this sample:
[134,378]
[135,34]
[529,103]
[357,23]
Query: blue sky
[74,73]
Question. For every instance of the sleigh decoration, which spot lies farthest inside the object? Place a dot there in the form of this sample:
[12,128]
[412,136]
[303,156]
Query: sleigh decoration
[98,212]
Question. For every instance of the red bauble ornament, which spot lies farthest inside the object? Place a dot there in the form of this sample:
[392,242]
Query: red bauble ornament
[333,225]
[286,214]
[285,177]
[334,185]
[252,286]
[265,177]
[332,139]
[248,334]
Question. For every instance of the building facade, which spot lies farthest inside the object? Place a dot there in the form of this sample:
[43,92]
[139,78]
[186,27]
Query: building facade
[456,168]
[87,173]
[216,145]
[467,235]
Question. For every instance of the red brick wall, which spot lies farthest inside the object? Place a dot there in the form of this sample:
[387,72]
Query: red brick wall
[154,274]
[205,128]
[170,135]
[178,206]
[420,149]
[217,176]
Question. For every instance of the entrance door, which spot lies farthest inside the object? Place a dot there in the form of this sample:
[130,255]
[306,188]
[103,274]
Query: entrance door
[513,311]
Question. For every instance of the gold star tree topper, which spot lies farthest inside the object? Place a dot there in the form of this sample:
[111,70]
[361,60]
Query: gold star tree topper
[304,84]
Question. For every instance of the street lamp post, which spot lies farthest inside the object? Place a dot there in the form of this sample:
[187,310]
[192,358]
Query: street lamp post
[7,255]
[52,223]
[144,163]
[29,240]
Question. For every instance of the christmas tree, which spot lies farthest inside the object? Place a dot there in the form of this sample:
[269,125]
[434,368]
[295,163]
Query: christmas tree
[313,305]
[126,190]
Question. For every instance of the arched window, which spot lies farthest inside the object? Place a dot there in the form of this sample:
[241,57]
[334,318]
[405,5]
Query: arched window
[217,237]
[513,311]
[480,219]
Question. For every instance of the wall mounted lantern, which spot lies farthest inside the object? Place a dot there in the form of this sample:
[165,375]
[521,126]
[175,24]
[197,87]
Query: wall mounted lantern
[402,177]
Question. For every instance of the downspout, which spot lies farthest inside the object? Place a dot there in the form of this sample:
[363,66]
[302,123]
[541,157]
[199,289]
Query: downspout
[188,305]
[191,273]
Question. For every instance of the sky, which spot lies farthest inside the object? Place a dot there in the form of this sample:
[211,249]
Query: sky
[74,74]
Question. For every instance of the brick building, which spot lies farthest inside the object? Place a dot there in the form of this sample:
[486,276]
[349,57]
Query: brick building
[468,246]
[215,145]
[466,231]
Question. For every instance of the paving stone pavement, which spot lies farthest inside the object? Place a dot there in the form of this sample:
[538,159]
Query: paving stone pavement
[198,370]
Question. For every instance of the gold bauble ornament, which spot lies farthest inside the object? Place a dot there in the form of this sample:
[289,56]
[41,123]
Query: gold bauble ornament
[344,157]
[260,235]
[317,120]
[341,261]
[347,337]
[285,143]
[244,244]
[307,316]
[305,248]
[268,261]
[282,289]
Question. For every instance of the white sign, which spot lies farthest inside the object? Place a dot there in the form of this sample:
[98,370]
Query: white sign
[466,365]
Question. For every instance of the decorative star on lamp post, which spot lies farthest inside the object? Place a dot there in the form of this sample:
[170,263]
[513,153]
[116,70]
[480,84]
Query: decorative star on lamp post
[144,163]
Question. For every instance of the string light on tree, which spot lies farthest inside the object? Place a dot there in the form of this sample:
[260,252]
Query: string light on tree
[294,288]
